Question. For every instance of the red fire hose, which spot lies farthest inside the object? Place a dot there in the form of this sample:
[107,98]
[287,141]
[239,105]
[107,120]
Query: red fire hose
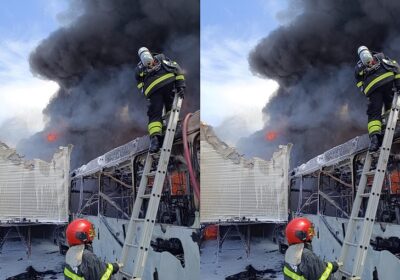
[193,180]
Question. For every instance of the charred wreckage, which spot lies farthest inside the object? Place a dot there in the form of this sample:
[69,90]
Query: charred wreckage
[103,191]
[323,189]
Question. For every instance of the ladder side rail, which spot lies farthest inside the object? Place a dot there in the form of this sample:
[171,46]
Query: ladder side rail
[356,207]
[376,189]
[137,205]
[152,208]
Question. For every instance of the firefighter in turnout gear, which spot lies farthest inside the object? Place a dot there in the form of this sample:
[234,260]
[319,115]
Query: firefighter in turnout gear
[301,263]
[81,262]
[376,76]
[158,78]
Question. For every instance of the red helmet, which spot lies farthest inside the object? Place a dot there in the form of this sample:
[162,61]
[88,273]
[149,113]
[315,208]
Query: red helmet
[299,230]
[80,231]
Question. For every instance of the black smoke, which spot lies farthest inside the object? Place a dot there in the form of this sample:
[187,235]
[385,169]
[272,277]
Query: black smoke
[92,59]
[312,58]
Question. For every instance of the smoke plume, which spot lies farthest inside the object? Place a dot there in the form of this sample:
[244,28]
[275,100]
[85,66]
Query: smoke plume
[312,58]
[93,58]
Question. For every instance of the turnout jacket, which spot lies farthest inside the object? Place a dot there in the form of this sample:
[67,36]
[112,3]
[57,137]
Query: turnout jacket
[83,264]
[301,263]
[383,71]
[164,71]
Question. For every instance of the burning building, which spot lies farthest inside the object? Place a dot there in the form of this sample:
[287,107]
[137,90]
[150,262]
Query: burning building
[104,190]
[323,189]
[97,107]
[312,57]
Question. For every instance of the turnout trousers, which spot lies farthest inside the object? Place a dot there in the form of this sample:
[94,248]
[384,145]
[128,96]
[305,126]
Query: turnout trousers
[159,99]
[382,96]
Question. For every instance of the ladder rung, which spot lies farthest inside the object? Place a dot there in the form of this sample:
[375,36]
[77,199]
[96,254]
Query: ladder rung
[126,274]
[155,155]
[370,173]
[138,220]
[132,245]
[351,244]
[365,194]
[357,218]
[345,272]
[144,196]
[151,174]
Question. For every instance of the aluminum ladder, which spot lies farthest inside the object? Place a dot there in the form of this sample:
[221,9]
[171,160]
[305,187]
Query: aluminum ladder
[143,246]
[360,243]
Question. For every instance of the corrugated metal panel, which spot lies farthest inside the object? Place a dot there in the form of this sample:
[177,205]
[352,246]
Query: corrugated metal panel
[236,189]
[34,191]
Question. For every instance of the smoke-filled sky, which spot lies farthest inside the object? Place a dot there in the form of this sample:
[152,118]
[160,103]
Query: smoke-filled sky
[92,59]
[312,58]
[231,97]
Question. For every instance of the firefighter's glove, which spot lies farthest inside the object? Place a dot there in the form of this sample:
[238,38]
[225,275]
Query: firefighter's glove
[120,265]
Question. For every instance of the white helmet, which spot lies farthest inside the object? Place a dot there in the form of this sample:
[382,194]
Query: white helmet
[145,56]
[365,55]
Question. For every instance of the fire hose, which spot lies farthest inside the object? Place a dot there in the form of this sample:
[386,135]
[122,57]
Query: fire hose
[193,180]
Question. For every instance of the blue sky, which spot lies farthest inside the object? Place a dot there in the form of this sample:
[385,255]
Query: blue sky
[26,19]
[230,29]
[23,24]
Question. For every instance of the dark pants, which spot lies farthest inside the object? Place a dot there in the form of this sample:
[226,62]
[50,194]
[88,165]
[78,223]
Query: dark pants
[158,99]
[379,97]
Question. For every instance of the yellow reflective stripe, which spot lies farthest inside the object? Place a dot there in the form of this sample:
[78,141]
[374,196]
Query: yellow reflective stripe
[374,122]
[374,126]
[291,274]
[397,76]
[360,73]
[154,127]
[108,272]
[139,86]
[359,84]
[72,275]
[159,80]
[377,80]
[180,77]
[327,272]
[141,74]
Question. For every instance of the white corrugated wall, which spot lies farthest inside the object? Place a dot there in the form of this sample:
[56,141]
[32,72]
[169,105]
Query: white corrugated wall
[35,191]
[236,189]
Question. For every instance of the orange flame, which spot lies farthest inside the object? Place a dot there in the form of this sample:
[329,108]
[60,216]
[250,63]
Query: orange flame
[52,136]
[271,135]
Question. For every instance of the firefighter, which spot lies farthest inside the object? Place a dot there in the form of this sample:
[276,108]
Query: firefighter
[158,78]
[81,262]
[376,76]
[301,263]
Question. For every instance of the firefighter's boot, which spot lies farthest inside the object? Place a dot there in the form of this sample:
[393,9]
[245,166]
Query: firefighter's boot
[375,142]
[154,144]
